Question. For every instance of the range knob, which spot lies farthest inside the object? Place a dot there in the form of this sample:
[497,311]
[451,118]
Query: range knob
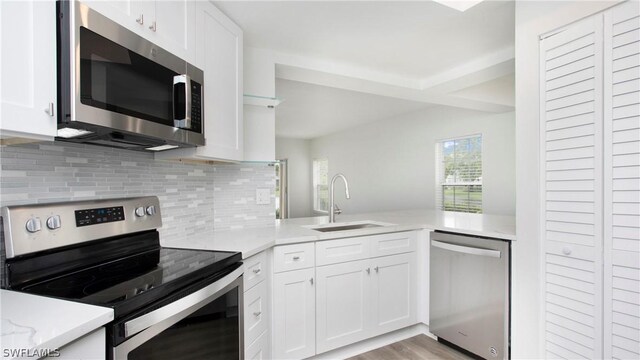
[33,225]
[151,210]
[140,211]
[54,222]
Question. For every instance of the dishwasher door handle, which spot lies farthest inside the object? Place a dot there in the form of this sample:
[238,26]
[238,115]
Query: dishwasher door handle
[466,249]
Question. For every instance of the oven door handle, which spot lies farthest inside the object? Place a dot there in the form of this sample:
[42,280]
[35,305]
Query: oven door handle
[187,303]
[466,249]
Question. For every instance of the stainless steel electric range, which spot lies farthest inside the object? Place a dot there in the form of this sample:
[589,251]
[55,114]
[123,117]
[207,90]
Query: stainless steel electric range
[168,303]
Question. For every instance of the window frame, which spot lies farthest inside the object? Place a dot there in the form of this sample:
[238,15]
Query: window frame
[440,181]
[314,185]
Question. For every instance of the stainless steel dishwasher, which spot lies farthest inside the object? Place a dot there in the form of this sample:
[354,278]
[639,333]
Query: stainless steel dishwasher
[469,293]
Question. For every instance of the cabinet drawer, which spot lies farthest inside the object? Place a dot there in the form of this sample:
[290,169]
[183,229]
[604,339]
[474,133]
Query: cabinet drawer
[293,257]
[255,312]
[393,243]
[259,350]
[341,250]
[255,270]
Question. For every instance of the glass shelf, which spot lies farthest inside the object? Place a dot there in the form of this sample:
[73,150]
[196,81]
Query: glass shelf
[256,100]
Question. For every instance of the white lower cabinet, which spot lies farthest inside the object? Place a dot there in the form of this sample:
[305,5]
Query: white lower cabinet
[294,309]
[255,312]
[343,304]
[352,297]
[393,292]
[360,299]
[259,350]
[256,307]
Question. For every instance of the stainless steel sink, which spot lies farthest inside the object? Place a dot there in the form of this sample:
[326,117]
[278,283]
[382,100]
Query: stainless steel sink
[345,227]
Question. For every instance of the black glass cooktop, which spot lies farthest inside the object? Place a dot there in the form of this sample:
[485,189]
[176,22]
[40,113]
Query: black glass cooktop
[135,281]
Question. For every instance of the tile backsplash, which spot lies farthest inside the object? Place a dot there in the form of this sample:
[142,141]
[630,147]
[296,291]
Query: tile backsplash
[193,197]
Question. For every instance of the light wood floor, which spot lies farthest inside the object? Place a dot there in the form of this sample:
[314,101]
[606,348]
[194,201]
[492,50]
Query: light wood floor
[415,348]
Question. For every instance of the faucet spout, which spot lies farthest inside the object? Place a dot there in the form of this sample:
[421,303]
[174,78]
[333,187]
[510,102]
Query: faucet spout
[332,212]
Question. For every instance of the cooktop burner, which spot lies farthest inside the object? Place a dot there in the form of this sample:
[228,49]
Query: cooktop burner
[145,277]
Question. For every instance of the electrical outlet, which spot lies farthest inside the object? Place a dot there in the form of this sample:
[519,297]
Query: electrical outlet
[263,196]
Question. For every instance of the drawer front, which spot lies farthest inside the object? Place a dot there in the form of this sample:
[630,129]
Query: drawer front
[393,243]
[342,250]
[255,312]
[259,350]
[293,257]
[255,270]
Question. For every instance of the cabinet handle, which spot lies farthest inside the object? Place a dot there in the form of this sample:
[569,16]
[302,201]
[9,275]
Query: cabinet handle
[257,313]
[49,110]
[566,250]
[296,258]
[368,270]
[311,281]
[375,268]
[257,271]
[153,26]
[140,20]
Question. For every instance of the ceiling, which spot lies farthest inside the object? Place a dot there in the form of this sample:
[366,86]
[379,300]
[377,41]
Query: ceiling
[310,111]
[410,38]
[341,64]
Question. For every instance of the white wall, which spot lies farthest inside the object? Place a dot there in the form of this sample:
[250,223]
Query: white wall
[259,122]
[297,154]
[390,164]
[533,18]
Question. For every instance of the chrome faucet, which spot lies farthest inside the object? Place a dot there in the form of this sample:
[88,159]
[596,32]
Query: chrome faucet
[332,206]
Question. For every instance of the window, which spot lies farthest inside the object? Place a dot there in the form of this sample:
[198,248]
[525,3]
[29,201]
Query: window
[459,174]
[320,185]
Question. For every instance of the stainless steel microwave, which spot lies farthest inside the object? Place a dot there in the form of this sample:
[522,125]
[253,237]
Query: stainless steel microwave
[117,89]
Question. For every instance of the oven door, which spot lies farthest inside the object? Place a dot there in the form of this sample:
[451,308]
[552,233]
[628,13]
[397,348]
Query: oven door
[206,324]
[114,79]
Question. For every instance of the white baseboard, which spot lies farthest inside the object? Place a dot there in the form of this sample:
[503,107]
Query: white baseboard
[374,343]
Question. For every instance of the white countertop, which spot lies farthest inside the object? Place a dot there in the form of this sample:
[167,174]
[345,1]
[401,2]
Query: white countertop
[31,323]
[254,240]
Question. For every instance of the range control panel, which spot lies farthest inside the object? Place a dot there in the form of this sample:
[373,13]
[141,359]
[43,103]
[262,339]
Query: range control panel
[99,216]
[37,227]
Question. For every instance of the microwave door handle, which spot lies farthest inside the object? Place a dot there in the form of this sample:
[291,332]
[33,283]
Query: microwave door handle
[466,249]
[184,81]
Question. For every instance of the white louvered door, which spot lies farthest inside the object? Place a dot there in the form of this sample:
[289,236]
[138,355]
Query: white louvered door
[590,134]
[622,182]
[571,119]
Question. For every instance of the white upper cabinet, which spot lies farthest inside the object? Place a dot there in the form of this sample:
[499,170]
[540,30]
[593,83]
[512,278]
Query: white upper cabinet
[170,24]
[175,25]
[28,105]
[219,55]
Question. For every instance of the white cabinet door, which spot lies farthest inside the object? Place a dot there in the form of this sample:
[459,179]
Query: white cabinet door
[622,182]
[294,308]
[219,54]
[175,26]
[343,314]
[571,173]
[28,105]
[393,292]
[134,15]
